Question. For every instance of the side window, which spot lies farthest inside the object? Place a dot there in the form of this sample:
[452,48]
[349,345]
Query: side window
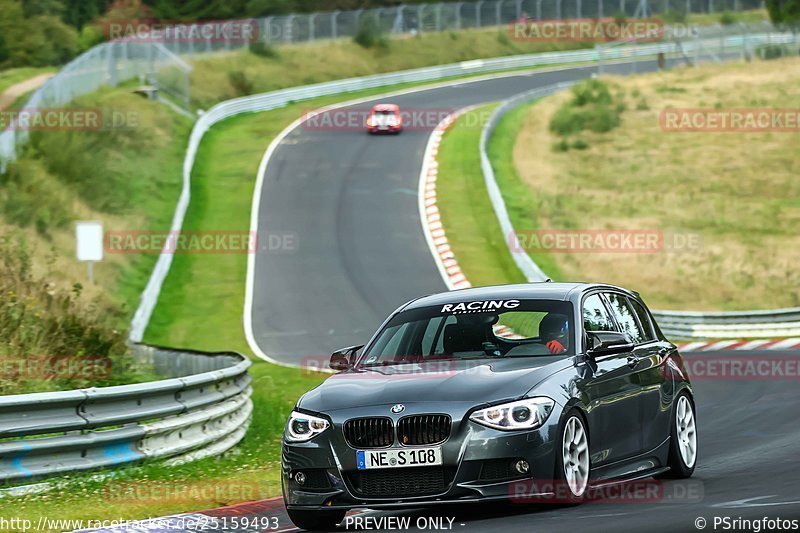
[595,316]
[625,316]
[644,320]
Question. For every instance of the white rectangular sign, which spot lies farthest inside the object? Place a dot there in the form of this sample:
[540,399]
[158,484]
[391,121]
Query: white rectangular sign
[89,240]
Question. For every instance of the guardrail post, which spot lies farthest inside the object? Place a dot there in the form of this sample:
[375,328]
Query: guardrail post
[497,9]
[539,9]
[311,33]
[420,10]
[478,6]
[558,9]
[600,8]
[438,17]
[458,14]
[518,5]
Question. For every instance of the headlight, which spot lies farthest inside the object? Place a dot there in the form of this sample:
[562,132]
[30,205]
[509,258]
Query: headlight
[303,427]
[523,414]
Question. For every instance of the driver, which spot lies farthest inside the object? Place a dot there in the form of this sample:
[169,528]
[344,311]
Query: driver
[554,332]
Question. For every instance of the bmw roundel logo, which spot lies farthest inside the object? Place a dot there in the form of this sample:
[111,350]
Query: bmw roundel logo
[398,408]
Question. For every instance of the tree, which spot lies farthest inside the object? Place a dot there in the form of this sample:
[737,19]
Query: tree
[784,12]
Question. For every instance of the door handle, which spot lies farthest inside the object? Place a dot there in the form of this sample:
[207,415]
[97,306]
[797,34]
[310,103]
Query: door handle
[633,361]
[663,351]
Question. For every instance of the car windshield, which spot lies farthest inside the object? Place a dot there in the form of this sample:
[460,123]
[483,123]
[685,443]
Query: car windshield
[384,112]
[478,329]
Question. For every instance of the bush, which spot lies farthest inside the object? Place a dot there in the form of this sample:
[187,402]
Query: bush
[642,105]
[561,146]
[592,91]
[503,38]
[27,198]
[40,320]
[674,16]
[592,108]
[580,144]
[369,34]
[727,18]
[263,49]
[566,121]
[240,82]
[770,51]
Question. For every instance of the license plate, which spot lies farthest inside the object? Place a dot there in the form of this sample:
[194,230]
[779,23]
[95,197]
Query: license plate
[400,458]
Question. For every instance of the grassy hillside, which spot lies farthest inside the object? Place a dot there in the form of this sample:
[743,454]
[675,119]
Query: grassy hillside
[129,178]
[734,193]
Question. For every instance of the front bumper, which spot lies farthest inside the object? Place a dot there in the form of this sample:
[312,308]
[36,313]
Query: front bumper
[470,453]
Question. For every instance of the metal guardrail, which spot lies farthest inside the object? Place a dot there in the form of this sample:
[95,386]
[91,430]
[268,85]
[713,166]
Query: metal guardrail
[281,98]
[677,324]
[203,410]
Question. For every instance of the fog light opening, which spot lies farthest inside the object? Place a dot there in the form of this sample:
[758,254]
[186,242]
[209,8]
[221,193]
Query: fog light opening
[300,478]
[522,466]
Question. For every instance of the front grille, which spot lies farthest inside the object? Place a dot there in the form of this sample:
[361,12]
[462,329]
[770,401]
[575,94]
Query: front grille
[419,430]
[498,469]
[399,482]
[369,432]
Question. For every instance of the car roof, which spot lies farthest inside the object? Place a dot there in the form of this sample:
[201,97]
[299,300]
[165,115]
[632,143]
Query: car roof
[385,107]
[524,291]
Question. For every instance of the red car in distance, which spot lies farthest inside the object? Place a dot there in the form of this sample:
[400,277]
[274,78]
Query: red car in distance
[385,118]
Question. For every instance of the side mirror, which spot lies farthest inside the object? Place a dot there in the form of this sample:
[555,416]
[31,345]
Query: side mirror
[608,343]
[340,359]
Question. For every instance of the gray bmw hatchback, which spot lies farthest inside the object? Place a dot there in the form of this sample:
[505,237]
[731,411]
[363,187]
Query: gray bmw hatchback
[540,390]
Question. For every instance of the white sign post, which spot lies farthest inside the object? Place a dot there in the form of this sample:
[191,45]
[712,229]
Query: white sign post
[89,244]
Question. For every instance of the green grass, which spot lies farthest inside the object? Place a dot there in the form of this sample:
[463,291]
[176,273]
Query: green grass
[521,203]
[13,76]
[467,214]
[224,76]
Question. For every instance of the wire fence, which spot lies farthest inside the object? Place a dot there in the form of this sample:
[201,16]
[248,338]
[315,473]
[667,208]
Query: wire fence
[419,18]
[155,59]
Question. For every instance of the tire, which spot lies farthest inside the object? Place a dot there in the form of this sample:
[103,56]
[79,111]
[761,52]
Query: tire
[683,441]
[573,463]
[315,520]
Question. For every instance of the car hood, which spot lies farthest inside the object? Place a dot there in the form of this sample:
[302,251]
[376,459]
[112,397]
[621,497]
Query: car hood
[476,381]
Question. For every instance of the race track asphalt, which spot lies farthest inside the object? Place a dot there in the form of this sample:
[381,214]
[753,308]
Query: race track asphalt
[347,201]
